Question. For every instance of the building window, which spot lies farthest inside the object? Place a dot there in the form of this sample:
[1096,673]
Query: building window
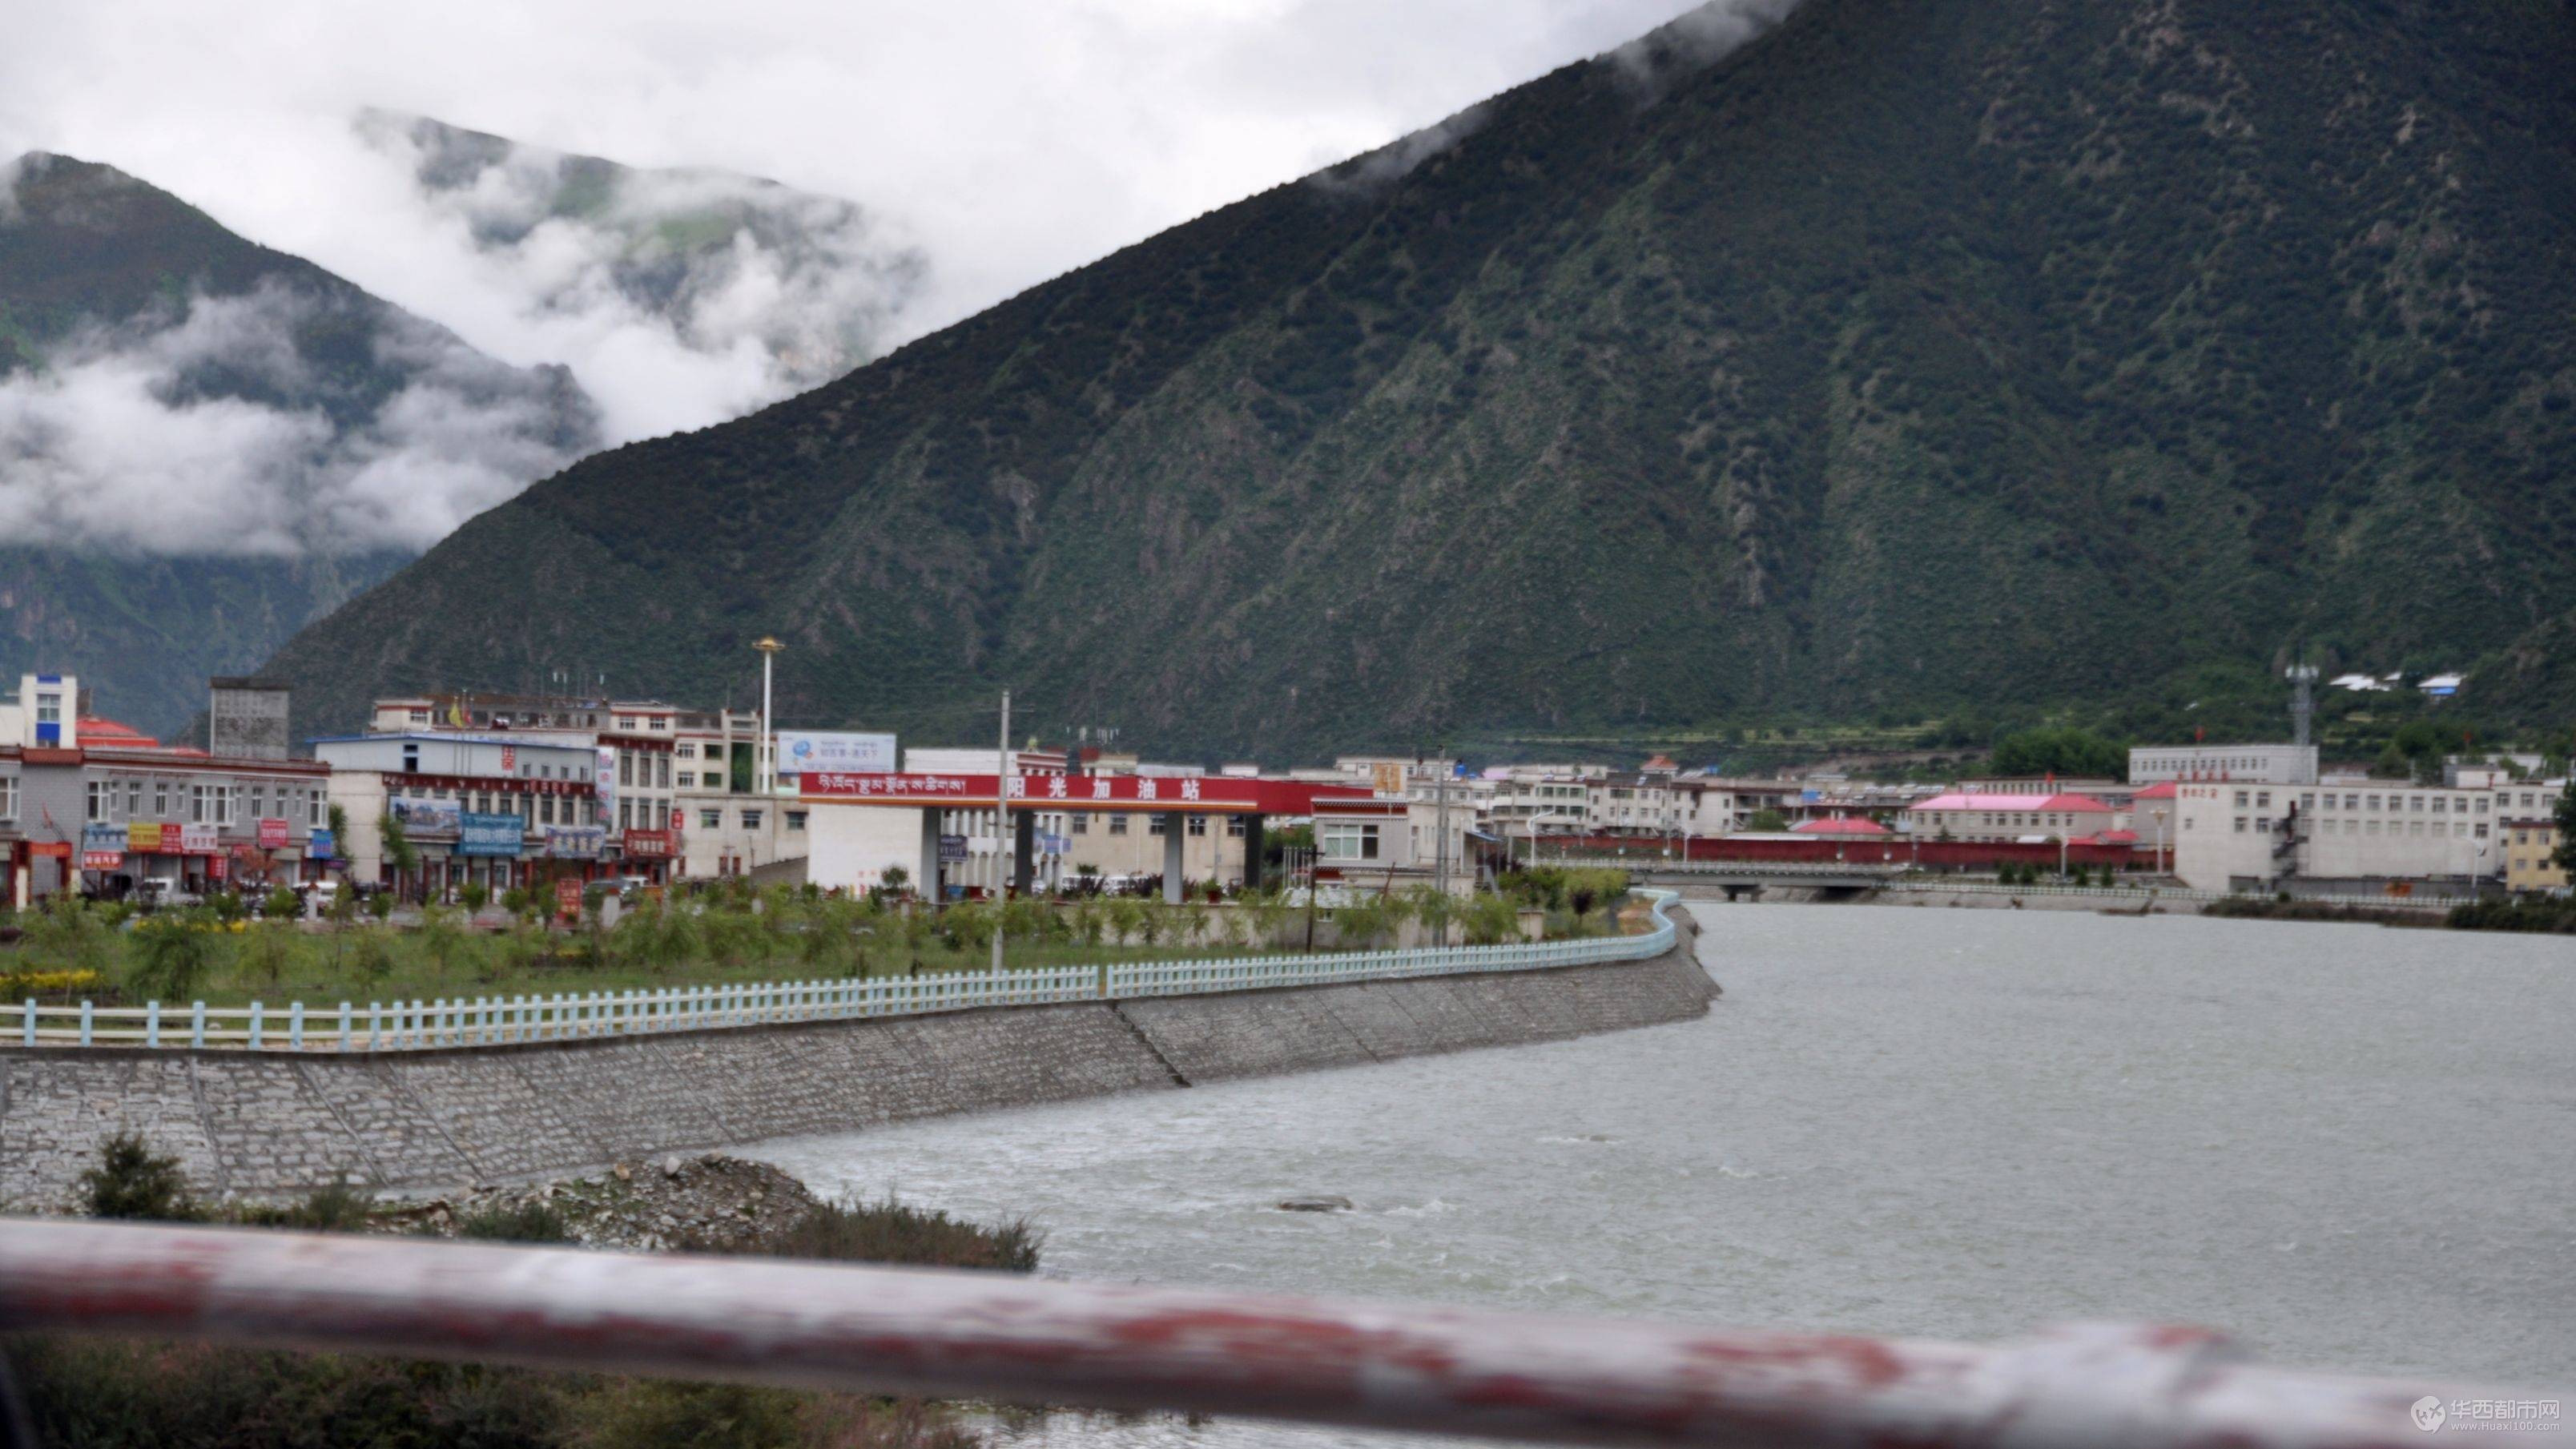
[710,819]
[49,709]
[1348,840]
[625,722]
[1117,824]
[133,799]
[686,751]
[750,819]
[1154,825]
[8,797]
[2240,825]
[625,814]
[258,801]
[688,780]
[1078,823]
[1198,827]
[661,772]
[795,822]
[1234,826]
[420,716]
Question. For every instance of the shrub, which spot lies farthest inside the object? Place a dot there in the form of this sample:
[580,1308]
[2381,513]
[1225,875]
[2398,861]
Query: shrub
[894,1232]
[132,1181]
[476,895]
[527,1222]
[280,905]
[172,957]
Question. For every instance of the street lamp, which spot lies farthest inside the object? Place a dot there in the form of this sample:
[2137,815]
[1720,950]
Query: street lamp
[768,776]
[2160,840]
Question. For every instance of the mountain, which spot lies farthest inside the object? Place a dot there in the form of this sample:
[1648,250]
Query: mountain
[813,284]
[1912,357]
[205,444]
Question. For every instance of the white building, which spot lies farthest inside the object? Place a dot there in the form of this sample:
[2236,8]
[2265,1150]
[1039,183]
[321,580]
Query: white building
[2260,764]
[451,790]
[2356,838]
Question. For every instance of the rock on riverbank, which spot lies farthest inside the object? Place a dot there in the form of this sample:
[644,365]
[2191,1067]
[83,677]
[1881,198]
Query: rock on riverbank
[709,1202]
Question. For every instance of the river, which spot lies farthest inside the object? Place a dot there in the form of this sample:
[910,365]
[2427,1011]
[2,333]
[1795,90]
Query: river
[2348,1145]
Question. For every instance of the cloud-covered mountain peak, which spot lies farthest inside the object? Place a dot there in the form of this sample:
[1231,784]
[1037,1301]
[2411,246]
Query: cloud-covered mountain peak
[796,287]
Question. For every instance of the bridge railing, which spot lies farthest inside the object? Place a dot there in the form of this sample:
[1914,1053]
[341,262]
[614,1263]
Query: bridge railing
[488,1021]
[999,1338]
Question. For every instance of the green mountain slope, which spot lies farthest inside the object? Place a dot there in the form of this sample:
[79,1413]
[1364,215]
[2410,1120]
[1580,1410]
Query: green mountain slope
[206,444]
[1916,354]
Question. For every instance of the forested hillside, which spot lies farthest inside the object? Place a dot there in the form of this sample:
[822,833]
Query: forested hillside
[1915,354]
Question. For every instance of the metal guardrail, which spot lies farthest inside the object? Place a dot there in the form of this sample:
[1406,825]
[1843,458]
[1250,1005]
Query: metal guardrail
[993,1337]
[1900,877]
[571,1016]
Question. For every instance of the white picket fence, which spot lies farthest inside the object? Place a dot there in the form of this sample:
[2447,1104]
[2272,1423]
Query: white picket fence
[570,1016]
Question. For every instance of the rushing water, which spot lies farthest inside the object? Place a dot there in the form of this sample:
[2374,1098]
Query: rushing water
[2355,1147]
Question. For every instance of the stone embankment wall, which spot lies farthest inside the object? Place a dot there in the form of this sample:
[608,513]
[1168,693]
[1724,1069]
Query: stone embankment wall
[245,1124]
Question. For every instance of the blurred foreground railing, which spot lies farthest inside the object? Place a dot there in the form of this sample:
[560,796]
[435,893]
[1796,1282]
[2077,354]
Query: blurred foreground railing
[379,1026]
[1008,1339]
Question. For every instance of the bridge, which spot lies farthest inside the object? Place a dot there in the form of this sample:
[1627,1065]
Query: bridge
[1740,878]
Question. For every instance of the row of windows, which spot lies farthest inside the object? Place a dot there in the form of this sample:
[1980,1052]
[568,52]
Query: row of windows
[1079,823]
[2330,826]
[645,770]
[752,817]
[534,809]
[221,804]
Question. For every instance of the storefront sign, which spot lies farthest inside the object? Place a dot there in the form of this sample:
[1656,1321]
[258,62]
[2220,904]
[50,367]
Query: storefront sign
[1080,792]
[437,817]
[509,759]
[215,868]
[607,782]
[481,834]
[102,847]
[274,834]
[193,839]
[800,751]
[321,844]
[575,842]
[643,844]
[143,837]
[51,850]
[568,899]
[1054,845]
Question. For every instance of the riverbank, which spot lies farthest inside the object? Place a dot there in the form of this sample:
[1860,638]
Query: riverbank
[264,1125]
[82,1392]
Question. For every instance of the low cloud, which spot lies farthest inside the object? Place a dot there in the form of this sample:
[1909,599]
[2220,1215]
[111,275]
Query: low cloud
[680,297]
[1367,174]
[215,432]
[1696,40]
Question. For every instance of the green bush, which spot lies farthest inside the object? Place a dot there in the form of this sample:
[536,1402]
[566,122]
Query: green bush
[173,955]
[133,1182]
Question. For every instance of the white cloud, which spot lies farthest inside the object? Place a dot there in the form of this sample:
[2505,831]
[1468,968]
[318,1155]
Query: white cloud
[149,439]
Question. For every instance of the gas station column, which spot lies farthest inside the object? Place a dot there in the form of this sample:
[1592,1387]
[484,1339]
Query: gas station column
[1173,826]
[1253,848]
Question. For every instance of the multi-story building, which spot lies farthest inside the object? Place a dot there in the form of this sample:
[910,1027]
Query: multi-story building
[1959,815]
[494,810]
[89,805]
[2355,838]
[2530,845]
[2255,764]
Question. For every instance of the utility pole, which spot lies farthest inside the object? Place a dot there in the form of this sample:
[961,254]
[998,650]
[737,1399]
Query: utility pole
[1002,818]
[1440,874]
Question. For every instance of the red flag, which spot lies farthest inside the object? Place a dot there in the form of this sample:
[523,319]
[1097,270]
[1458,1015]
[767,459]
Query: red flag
[2199,733]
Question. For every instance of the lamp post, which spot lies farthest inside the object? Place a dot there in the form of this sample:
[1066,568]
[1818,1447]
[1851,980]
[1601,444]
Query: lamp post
[766,774]
[2160,840]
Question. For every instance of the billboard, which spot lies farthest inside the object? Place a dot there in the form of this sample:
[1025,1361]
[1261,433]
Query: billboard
[639,844]
[274,833]
[440,817]
[803,750]
[481,834]
[194,839]
[321,844]
[143,837]
[607,781]
[575,842]
[102,847]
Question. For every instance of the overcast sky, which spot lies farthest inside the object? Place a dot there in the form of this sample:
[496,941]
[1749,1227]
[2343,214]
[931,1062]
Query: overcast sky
[999,141]
[1014,138]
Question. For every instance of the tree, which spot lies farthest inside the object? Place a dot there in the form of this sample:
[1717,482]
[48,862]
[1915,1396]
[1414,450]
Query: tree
[2072,752]
[2566,818]
[1767,819]
[398,848]
[172,956]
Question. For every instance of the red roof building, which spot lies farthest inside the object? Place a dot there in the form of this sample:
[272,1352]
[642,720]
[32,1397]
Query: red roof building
[1963,815]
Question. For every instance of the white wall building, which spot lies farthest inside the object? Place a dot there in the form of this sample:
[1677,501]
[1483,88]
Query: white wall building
[2262,764]
[2355,838]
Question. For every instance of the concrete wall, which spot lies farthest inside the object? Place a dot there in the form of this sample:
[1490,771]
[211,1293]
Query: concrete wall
[422,1120]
